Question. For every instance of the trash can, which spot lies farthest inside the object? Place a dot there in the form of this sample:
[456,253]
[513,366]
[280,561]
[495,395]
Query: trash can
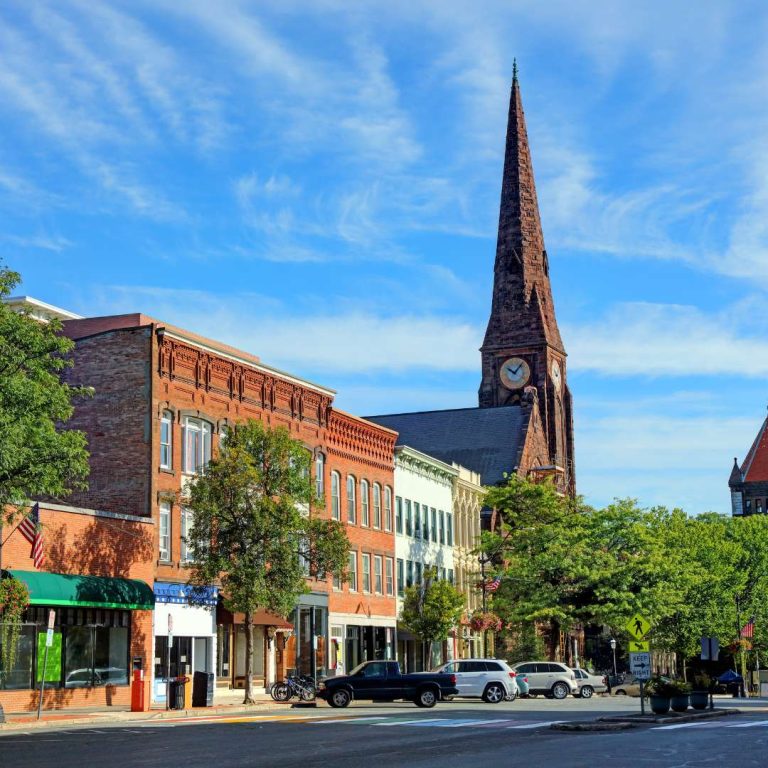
[202,689]
[176,700]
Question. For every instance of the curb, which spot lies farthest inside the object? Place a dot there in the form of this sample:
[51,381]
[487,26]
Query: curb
[619,723]
[592,725]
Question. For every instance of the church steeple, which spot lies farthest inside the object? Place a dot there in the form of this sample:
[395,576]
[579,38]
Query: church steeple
[522,353]
[521,270]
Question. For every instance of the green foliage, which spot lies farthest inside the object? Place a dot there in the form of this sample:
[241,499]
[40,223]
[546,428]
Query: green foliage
[37,456]
[522,642]
[14,599]
[432,609]
[252,526]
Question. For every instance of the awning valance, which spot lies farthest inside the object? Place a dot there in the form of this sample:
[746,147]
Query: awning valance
[86,591]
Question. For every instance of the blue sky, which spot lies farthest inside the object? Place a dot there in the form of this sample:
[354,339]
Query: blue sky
[318,183]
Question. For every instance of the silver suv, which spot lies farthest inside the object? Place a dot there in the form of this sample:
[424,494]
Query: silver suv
[550,678]
[493,680]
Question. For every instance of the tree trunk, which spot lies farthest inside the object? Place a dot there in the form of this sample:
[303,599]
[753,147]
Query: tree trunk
[248,658]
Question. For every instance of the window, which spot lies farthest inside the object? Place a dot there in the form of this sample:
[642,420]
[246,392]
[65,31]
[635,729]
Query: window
[378,576]
[366,573]
[376,505]
[335,493]
[352,568]
[303,556]
[196,445]
[387,508]
[365,513]
[390,576]
[164,532]
[425,529]
[416,519]
[449,529]
[398,514]
[223,435]
[187,555]
[417,574]
[442,527]
[434,524]
[351,500]
[759,507]
[450,575]
[408,573]
[408,518]
[400,577]
[320,475]
[166,440]
[337,582]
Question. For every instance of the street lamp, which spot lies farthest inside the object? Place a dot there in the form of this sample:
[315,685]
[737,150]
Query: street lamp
[613,648]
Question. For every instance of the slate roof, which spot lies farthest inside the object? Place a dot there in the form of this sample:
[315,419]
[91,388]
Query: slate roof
[485,440]
[755,466]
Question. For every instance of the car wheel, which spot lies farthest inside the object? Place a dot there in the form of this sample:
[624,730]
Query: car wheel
[340,698]
[586,692]
[426,697]
[494,693]
[560,690]
[620,692]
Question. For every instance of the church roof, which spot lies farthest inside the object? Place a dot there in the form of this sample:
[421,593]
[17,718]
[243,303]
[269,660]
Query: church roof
[755,466]
[485,440]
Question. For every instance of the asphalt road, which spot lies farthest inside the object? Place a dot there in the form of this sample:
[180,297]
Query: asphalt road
[460,733]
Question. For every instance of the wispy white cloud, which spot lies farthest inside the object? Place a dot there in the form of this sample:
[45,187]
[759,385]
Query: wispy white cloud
[42,242]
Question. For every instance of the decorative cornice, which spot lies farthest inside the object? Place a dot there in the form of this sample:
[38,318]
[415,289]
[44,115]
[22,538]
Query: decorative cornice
[360,440]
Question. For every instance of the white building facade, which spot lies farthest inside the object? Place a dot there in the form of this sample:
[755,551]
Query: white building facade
[425,535]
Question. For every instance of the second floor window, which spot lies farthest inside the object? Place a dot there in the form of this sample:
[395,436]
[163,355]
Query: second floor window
[351,500]
[400,577]
[166,440]
[319,475]
[335,496]
[408,518]
[398,514]
[352,571]
[365,510]
[433,513]
[387,509]
[187,552]
[164,531]
[366,573]
[196,451]
[449,529]
[417,519]
[376,505]
[390,576]
[442,527]
[378,576]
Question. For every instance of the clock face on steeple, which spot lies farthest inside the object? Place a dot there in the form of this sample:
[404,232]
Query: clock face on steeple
[514,373]
[557,377]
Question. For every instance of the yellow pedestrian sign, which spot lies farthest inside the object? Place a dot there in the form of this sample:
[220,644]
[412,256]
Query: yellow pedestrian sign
[638,626]
[639,646]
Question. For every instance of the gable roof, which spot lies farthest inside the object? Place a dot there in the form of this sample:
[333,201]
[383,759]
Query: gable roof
[755,466]
[486,440]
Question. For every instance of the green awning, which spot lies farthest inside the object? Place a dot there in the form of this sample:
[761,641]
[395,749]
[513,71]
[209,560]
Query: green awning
[86,591]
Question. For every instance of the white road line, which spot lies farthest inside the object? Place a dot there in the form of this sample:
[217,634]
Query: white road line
[320,720]
[533,725]
[463,723]
[413,722]
[748,725]
[685,725]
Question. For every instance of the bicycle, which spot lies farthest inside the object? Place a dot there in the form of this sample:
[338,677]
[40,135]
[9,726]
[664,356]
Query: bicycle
[301,686]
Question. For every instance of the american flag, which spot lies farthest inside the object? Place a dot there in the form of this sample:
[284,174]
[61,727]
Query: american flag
[493,584]
[30,529]
[748,630]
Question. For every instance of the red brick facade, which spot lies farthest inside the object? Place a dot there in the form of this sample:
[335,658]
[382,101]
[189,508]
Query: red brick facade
[83,542]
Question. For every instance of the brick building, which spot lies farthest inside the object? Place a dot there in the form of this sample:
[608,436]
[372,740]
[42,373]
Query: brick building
[96,577]
[164,399]
[524,422]
[749,482]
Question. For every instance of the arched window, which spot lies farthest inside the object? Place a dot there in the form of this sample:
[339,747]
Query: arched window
[166,440]
[365,514]
[376,505]
[196,447]
[351,500]
[335,496]
[387,508]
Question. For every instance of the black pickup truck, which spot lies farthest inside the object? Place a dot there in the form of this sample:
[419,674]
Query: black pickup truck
[383,681]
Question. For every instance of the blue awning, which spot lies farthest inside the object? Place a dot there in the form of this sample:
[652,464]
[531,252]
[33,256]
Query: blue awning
[171,592]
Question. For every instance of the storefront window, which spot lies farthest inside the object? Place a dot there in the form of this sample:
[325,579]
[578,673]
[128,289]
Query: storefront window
[78,655]
[110,651]
[20,674]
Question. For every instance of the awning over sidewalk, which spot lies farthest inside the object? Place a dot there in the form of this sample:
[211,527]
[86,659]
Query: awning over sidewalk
[223,616]
[86,591]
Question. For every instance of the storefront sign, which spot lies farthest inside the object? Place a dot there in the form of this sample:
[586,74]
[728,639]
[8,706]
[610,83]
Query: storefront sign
[53,665]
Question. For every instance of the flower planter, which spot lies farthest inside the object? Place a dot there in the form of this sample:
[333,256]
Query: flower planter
[679,703]
[699,699]
[659,705]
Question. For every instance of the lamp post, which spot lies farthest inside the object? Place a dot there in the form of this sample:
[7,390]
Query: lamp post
[613,648]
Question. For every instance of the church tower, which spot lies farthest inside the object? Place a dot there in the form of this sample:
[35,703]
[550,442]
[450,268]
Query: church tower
[522,352]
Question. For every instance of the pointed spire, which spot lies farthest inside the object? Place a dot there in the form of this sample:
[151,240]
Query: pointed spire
[521,261]
[735,477]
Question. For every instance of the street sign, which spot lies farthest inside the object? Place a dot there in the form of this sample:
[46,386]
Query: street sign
[638,626]
[49,638]
[639,646]
[640,665]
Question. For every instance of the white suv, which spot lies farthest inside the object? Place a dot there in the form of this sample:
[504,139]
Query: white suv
[493,680]
[550,678]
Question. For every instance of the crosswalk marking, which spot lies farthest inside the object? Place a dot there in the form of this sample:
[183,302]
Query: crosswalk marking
[749,725]
[533,725]
[712,724]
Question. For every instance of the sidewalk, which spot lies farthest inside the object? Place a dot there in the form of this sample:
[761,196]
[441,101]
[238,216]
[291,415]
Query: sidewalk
[24,721]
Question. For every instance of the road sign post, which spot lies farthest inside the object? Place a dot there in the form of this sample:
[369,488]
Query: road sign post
[48,644]
[640,657]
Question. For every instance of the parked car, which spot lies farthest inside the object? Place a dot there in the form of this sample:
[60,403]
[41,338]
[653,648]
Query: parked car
[493,680]
[550,678]
[589,684]
[522,685]
[630,686]
[383,681]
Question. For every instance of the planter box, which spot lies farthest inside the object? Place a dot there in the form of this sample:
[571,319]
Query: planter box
[699,699]
[679,703]
[659,705]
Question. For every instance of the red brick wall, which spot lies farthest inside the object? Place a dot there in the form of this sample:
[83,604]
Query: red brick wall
[116,419]
[88,544]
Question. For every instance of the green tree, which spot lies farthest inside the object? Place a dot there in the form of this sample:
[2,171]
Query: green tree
[38,456]
[431,609]
[254,530]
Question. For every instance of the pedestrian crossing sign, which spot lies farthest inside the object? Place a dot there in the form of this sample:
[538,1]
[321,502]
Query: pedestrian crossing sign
[638,626]
[639,646]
